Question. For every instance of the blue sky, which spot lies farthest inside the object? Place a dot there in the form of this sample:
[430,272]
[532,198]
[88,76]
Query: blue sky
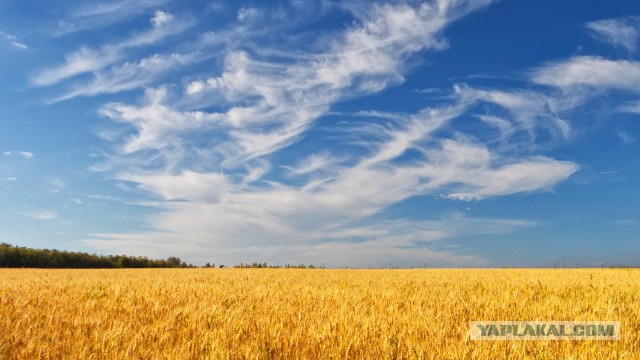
[350,133]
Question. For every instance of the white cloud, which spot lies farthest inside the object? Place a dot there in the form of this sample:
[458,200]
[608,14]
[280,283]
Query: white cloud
[626,222]
[41,215]
[19,45]
[195,87]
[118,8]
[590,71]
[188,185]
[581,80]
[458,168]
[528,111]
[248,14]
[13,41]
[82,61]
[505,126]
[217,6]
[625,137]
[21,153]
[161,18]
[622,32]
[106,198]
[256,172]
[313,163]
[26,154]
[158,125]
[526,175]
[96,15]
[129,75]
[86,60]
[630,107]
[55,184]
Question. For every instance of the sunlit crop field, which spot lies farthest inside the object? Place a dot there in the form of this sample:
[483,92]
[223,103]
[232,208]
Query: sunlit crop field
[308,314]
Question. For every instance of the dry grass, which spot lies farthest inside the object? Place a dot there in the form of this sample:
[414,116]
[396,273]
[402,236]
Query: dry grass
[309,314]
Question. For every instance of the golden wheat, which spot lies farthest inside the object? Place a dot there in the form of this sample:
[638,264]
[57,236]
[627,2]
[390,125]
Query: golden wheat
[307,314]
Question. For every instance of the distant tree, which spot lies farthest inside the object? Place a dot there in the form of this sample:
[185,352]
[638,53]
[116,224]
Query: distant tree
[174,261]
[14,256]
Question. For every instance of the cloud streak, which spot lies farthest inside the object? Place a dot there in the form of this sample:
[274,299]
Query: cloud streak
[622,32]
[41,215]
[103,14]
[22,153]
[590,72]
[13,41]
[88,60]
[129,75]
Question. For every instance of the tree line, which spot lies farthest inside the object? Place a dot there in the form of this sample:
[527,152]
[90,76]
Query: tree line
[22,257]
[16,257]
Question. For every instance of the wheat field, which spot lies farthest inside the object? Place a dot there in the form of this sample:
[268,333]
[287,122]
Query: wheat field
[307,314]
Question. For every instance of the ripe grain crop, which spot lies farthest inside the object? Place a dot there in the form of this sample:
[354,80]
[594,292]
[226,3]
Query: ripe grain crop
[307,314]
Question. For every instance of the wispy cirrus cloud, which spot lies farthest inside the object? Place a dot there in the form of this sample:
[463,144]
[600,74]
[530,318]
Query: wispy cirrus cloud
[626,222]
[118,9]
[81,61]
[313,163]
[129,75]
[621,32]
[580,80]
[364,59]
[22,153]
[88,60]
[158,125]
[625,137]
[102,14]
[13,41]
[526,110]
[41,215]
[590,72]
[630,107]
[55,184]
